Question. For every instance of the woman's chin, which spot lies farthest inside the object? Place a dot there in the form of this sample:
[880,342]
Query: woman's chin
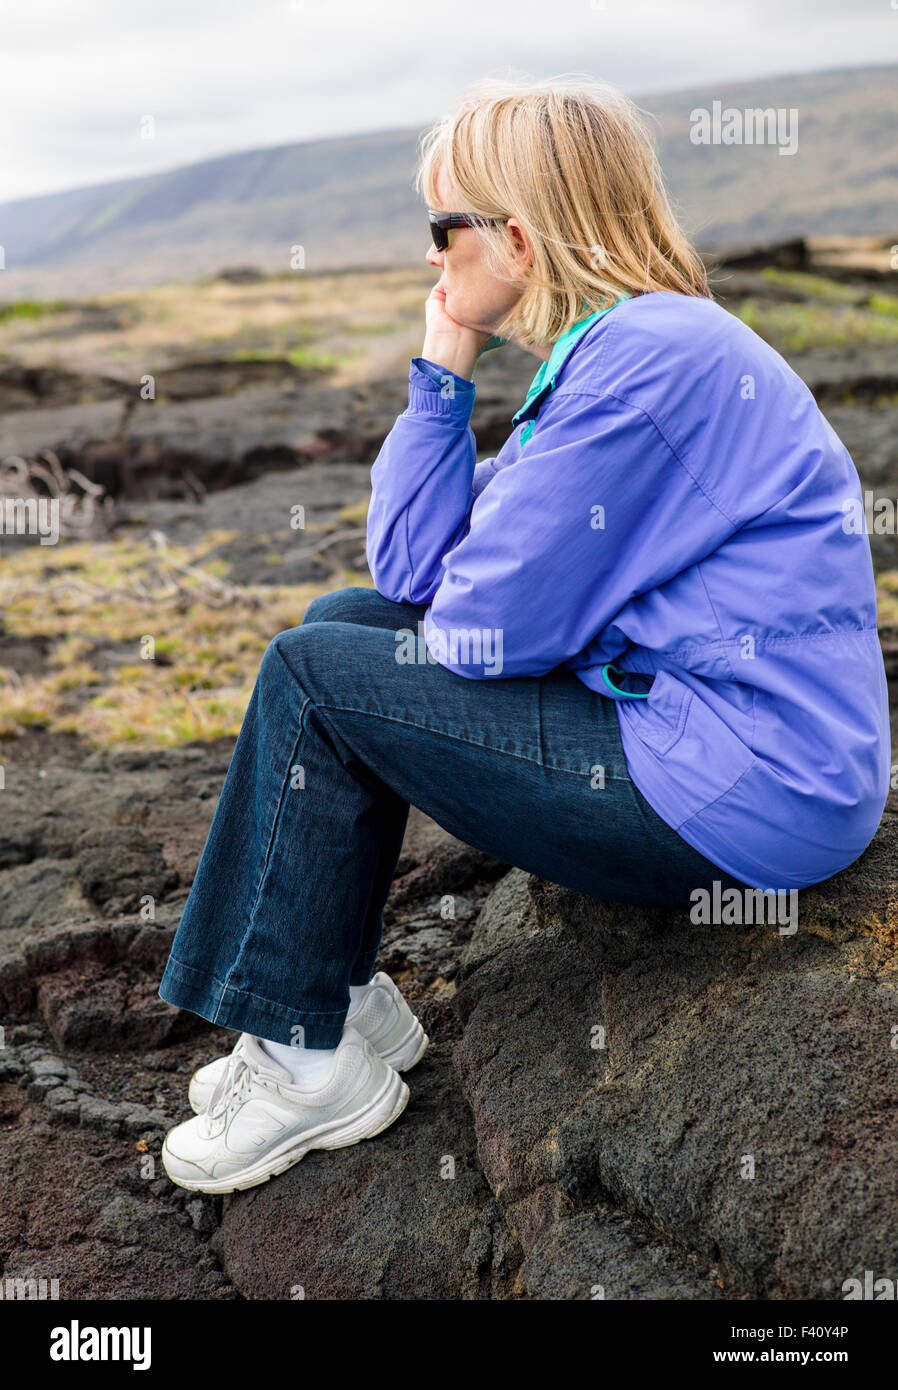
[456,310]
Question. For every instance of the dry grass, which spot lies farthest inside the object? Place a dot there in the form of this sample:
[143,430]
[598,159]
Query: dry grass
[142,668]
[887,598]
[358,325]
[351,324]
[834,316]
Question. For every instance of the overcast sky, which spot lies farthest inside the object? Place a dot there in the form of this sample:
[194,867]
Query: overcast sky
[77,77]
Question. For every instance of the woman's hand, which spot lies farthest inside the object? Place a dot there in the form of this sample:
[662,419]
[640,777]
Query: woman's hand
[448,343]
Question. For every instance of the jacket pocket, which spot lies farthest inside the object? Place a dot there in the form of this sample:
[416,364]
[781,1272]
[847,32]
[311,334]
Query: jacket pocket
[660,721]
[703,756]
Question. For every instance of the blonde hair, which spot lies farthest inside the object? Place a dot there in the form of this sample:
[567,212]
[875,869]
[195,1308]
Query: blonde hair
[573,162]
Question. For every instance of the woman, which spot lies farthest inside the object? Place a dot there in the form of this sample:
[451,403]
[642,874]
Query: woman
[635,653]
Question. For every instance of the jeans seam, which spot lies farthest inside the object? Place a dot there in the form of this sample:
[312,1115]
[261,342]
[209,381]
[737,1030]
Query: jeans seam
[268,849]
[472,743]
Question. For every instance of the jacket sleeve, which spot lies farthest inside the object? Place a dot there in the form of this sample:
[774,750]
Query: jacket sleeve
[422,485]
[597,509]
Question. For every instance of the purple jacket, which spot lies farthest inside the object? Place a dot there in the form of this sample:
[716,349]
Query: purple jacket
[680,508]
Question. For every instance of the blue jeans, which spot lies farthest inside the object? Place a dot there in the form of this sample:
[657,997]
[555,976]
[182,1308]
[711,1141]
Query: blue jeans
[339,737]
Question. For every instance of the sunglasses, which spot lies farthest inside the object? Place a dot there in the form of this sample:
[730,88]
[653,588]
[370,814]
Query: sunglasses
[442,222]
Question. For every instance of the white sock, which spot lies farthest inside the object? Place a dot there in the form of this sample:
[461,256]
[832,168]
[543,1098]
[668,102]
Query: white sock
[356,995]
[306,1065]
[310,1064]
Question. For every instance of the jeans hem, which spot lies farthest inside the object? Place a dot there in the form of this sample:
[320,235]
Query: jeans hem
[188,988]
[363,969]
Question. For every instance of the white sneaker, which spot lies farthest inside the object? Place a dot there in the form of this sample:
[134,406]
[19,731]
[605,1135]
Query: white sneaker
[259,1122]
[383,1017]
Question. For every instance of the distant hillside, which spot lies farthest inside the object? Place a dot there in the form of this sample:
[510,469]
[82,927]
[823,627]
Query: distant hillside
[349,201]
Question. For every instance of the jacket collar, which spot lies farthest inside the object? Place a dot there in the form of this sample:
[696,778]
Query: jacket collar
[545,378]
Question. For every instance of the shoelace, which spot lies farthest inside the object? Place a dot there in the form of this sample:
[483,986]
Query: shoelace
[232,1088]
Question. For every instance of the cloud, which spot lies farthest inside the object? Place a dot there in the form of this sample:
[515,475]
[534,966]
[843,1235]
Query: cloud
[79,75]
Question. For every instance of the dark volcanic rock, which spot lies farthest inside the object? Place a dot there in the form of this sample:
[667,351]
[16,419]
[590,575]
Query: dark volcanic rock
[81,1204]
[602,1253]
[118,867]
[99,830]
[870,373]
[731,1086]
[90,1005]
[785,255]
[405,1215]
[23,387]
[95,985]
[215,425]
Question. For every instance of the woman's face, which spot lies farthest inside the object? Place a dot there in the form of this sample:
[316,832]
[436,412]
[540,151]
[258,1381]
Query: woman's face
[475,297]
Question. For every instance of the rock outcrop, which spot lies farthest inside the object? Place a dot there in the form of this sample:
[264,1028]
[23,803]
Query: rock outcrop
[617,1101]
[620,1100]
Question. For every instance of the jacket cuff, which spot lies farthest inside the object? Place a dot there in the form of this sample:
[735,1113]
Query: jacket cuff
[435,390]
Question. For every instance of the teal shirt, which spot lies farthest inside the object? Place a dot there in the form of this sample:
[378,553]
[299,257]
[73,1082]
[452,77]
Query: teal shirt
[544,381]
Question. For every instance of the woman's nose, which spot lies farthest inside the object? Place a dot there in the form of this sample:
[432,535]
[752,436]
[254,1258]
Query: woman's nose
[434,257]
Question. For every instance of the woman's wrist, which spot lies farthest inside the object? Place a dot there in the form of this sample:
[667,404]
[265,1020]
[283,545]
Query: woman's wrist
[451,355]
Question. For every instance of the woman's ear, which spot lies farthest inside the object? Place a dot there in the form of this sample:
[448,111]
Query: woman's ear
[523,251]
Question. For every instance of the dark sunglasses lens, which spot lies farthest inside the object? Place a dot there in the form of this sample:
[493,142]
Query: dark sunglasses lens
[440,236]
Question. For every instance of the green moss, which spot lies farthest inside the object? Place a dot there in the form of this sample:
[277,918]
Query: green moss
[312,360]
[32,308]
[884,304]
[130,675]
[355,513]
[814,286]
[801,327]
